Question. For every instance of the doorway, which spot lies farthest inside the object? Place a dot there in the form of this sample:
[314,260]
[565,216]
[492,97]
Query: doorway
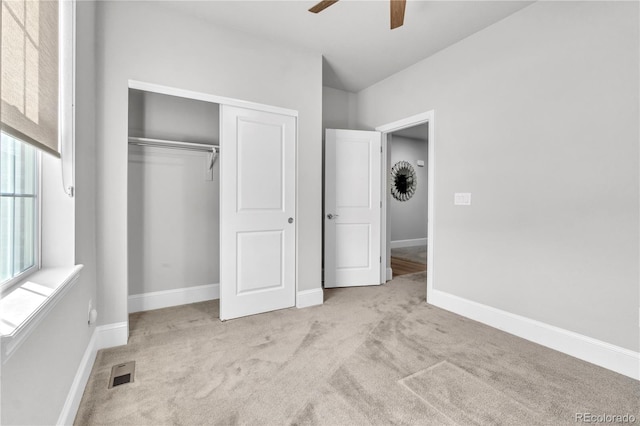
[407,171]
[359,171]
[387,130]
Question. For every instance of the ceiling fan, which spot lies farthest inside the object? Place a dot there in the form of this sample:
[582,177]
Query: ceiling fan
[397,10]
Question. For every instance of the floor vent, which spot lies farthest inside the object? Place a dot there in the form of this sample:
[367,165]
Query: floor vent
[122,373]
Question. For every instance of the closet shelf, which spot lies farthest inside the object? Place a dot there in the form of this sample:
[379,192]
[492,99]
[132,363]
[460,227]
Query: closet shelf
[163,143]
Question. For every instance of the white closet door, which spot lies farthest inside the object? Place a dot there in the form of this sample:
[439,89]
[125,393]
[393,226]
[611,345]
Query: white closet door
[257,212]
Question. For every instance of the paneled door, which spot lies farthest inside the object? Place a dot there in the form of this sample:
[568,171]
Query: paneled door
[352,208]
[257,211]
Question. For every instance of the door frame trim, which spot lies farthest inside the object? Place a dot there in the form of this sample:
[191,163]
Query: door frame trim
[385,129]
[201,96]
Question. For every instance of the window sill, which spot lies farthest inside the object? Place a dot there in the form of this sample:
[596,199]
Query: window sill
[24,307]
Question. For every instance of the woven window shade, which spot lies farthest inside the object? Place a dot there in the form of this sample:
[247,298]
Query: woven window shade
[29,66]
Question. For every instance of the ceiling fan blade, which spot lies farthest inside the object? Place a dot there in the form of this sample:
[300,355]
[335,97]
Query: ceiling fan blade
[322,6]
[397,13]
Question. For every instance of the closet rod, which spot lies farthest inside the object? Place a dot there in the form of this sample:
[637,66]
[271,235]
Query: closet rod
[172,144]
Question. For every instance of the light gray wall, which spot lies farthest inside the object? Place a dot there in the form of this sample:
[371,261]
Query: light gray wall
[408,219]
[38,376]
[174,222]
[338,109]
[150,42]
[537,117]
[57,216]
[153,115]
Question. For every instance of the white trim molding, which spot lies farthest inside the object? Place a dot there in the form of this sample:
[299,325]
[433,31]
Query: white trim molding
[385,129]
[72,403]
[111,335]
[307,298]
[175,297]
[389,274]
[59,281]
[200,96]
[603,354]
[416,242]
[414,120]
[103,337]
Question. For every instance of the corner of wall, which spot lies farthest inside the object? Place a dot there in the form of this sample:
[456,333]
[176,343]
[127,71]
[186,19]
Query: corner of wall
[352,113]
[308,298]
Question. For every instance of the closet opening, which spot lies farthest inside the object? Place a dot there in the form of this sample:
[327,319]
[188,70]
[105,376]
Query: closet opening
[173,201]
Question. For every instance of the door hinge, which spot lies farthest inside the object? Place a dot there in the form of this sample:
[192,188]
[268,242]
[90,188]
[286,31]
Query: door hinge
[380,203]
[380,259]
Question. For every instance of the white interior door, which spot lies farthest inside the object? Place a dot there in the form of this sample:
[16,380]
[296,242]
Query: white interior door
[352,208]
[257,212]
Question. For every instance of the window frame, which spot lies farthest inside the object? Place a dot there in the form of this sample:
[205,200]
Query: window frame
[7,286]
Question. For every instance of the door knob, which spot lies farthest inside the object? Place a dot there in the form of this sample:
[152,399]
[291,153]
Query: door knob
[332,216]
[290,220]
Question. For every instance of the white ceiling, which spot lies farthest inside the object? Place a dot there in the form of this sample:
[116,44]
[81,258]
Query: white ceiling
[353,36]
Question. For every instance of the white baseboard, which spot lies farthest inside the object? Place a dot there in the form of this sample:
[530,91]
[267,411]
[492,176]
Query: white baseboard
[105,336]
[168,298]
[389,274]
[110,335]
[308,298]
[409,243]
[612,357]
[72,403]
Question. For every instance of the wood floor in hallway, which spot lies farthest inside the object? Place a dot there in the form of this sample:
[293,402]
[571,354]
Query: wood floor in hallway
[401,266]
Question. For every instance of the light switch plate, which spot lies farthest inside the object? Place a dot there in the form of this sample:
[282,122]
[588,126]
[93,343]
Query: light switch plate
[462,199]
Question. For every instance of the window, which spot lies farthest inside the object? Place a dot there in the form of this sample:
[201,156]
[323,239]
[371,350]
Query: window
[37,263]
[18,209]
[35,117]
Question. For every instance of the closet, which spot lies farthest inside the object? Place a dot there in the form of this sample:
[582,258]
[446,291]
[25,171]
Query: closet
[211,202]
[173,200]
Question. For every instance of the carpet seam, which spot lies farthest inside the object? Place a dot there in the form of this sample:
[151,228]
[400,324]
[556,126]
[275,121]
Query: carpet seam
[401,381]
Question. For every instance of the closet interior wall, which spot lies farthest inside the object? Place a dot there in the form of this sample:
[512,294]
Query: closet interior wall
[173,196]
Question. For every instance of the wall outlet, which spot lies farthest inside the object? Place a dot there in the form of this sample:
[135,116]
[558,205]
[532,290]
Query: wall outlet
[92,314]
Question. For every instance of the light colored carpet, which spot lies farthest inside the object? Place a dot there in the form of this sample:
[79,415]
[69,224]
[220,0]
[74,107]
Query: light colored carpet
[369,355]
[412,254]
